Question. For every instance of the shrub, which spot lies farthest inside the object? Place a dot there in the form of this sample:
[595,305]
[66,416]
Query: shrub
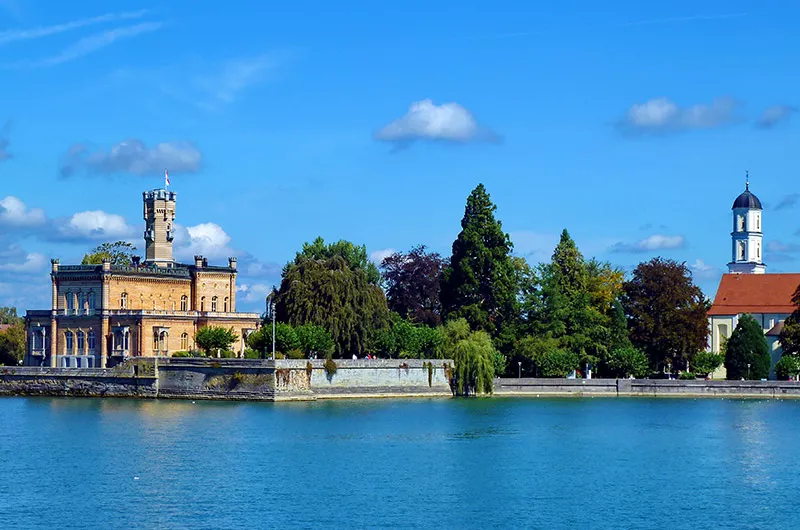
[295,354]
[213,338]
[705,362]
[182,354]
[330,367]
[558,363]
[747,345]
[626,362]
[314,340]
[250,353]
[788,366]
[687,376]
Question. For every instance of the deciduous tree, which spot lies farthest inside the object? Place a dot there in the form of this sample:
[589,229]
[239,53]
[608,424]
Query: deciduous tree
[119,252]
[790,334]
[474,356]
[355,256]
[413,283]
[8,315]
[667,315]
[213,338]
[12,344]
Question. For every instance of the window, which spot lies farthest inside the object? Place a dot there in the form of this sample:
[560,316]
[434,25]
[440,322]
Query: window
[69,302]
[184,341]
[758,250]
[740,251]
[184,303]
[81,302]
[758,223]
[123,301]
[90,300]
[81,341]
[202,303]
[90,340]
[155,341]
[213,303]
[740,223]
[225,305]
[68,341]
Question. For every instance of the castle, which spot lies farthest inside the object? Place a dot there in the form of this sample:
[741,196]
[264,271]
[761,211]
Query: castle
[103,314]
[747,287]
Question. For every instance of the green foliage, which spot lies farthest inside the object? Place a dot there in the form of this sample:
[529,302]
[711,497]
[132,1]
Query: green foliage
[330,367]
[530,351]
[500,363]
[687,376]
[314,340]
[119,253]
[12,344]
[407,340]
[706,362]
[480,284]
[306,339]
[667,313]
[355,256]
[747,345]
[250,353]
[473,354]
[788,367]
[182,353]
[558,363]
[790,334]
[329,294]
[8,315]
[625,362]
[213,338]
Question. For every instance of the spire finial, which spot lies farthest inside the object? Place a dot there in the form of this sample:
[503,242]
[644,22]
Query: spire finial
[747,180]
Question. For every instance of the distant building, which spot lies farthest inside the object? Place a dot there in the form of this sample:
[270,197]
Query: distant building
[103,314]
[747,288]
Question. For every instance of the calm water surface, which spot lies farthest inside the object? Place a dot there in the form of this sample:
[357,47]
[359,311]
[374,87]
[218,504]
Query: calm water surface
[525,463]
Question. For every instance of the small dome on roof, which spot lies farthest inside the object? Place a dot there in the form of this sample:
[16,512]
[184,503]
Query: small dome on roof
[747,200]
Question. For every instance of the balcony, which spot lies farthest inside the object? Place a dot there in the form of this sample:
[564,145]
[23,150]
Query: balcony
[77,312]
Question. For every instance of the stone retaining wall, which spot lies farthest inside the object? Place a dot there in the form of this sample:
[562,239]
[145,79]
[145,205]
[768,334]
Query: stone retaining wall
[114,382]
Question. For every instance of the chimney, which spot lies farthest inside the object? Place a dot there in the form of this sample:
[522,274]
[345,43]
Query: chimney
[54,264]
[232,263]
[198,261]
[106,264]
[135,261]
[205,262]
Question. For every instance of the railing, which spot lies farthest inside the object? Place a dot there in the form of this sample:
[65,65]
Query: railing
[77,312]
[180,272]
[169,312]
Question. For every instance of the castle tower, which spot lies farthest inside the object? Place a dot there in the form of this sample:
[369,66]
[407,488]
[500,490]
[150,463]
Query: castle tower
[159,217]
[746,237]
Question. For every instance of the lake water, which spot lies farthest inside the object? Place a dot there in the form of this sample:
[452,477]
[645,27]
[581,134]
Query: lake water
[517,463]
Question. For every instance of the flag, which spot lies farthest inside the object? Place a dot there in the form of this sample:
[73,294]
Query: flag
[166,178]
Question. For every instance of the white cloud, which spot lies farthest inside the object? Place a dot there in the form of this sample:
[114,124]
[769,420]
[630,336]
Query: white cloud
[703,271]
[14,213]
[133,156]
[33,263]
[206,239]
[253,292]
[661,115]
[45,31]
[774,115]
[378,255]
[428,121]
[651,243]
[235,75]
[91,225]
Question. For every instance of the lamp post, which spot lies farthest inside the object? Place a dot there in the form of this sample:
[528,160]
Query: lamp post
[519,375]
[272,310]
[748,370]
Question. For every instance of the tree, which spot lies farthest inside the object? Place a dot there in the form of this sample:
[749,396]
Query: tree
[790,334]
[331,294]
[407,340]
[355,256]
[119,252]
[8,315]
[530,351]
[12,344]
[473,355]
[788,367]
[747,354]
[413,283]
[480,282]
[667,312]
[213,338]
[558,363]
[626,362]
[314,340]
[705,362]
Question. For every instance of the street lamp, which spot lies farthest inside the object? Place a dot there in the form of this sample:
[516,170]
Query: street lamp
[519,375]
[272,310]
[748,370]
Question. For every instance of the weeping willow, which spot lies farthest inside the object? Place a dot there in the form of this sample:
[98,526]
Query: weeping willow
[331,294]
[472,353]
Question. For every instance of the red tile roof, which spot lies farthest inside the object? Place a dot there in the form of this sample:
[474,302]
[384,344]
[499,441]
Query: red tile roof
[755,293]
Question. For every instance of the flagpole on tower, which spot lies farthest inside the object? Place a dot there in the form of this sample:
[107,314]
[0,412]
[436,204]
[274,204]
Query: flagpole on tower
[166,179]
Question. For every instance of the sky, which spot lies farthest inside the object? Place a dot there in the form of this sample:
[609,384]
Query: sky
[631,124]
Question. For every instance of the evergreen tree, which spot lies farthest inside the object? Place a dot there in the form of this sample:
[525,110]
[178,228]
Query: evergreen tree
[480,282]
[747,346]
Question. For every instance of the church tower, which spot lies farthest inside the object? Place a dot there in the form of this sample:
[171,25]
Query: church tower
[746,236]
[159,217]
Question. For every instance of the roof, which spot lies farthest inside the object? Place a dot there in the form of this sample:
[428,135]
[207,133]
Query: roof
[747,200]
[776,330]
[755,293]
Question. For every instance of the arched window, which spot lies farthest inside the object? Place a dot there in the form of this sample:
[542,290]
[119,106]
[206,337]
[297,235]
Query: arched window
[90,300]
[740,227]
[90,340]
[68,340]
[81,341]
[123,301]
[69,302]
[184,341]
[81,302]
[184,303]
[202,303]
[213,303]
[758,223]
[225,305]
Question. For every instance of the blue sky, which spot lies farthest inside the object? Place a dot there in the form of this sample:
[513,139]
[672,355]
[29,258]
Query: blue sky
[629,123]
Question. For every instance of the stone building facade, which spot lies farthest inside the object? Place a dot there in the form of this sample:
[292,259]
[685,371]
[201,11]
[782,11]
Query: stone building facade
[103,314]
